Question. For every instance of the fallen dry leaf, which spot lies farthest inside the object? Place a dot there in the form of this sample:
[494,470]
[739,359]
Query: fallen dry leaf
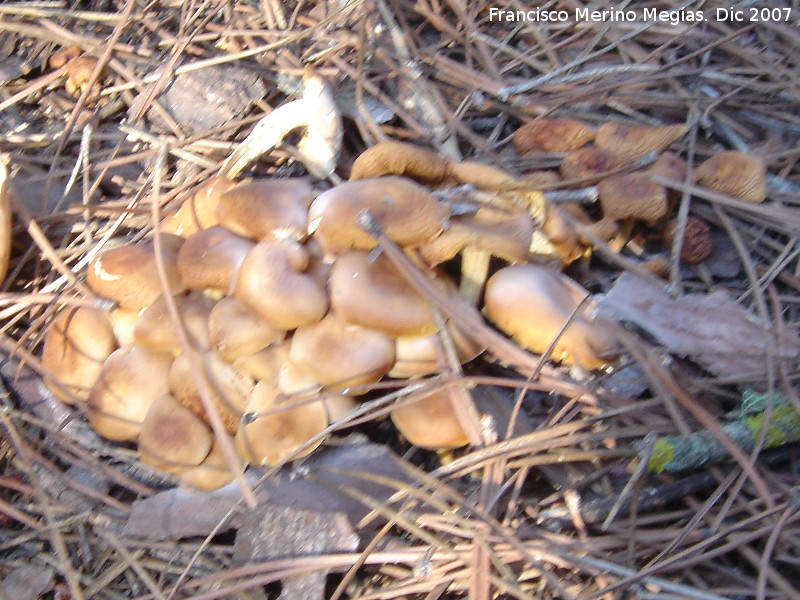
[710,328]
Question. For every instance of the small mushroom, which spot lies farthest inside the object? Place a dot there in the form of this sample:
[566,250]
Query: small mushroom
[200,210]
[130,381]
[416,356]
[128,274]
[341,355]
[78,67]
[401,158]
[735,174]
[632,196]
[629,142]
[123,322]
[273,284]
[697,245]
[428,420]
[211,474]
[279,430]
[552,135]
[532,303]
[588,164]
[234,331]
[492,230]
[406,212]
[210,258]
[267,209]
[173,438]
[373,294]
[77,343]
[484,177]
[229,387]
[157,332]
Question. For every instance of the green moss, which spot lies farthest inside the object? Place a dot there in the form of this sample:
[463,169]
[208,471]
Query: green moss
[662,455]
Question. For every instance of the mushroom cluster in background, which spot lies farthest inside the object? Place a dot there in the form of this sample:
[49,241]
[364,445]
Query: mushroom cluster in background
[282,312]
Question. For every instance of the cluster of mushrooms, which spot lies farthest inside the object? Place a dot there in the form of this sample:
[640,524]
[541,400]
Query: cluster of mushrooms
[280,308]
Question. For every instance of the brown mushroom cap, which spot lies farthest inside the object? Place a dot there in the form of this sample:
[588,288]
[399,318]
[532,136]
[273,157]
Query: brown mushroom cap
[552,135]
[235,331]
[429,421]
[173,438]
[631,142]
[341,355]
[267,209]
[199,211]
[697,245]
[128,274]
[229,387]
[155,330]
[504,232]
[588,164]
[375,295]
[264,365]
[273,285]
[735,174]
[77,343]
[482,176]
[406,212]
[632,196]
[211,474]
[401,158]
[269,439]
[210,259]
[79,71]
[5,222]
[531,303]
[123,322]
[417,355]
[670,166]
[131,379]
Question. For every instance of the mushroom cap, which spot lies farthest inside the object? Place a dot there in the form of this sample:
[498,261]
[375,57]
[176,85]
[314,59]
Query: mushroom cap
[128,274]
[5,222]
[697,245]
[588,164]
[210,259]
[531,303]
[483,176]
[341,355]
[504,232]
[155,331]
[631,142]
[211,474]
[401,158]
[429,421]
[236,331]
[338,407]
[375,295]
[552,135]
[200,210]
[416,356]
[123,322]
[267,209]
[561,232]
[272,283]
[632,196]
[735,174]
[670,166]
[79,70]
[62,56]
[229,386]
[405,211]
[269,439]
[131,379]
[263,365]
[173,438]
[77,343]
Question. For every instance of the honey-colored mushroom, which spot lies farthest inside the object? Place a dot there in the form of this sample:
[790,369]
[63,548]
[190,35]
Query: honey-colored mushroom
[157,332]
[428,420]
[77,343]
[630,142]
[632,196]
[406,212]
[235,331]
[130,381]
[200,210]
[278,430]
[401,158]
[735,174]
[532,303]
[128,274]
[552,135]
[210,258]
[588,164]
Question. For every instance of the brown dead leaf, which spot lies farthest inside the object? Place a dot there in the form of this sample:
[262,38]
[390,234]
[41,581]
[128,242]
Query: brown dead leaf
[709,328]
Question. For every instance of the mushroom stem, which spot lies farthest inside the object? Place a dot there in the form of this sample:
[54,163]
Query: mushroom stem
[474,272]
